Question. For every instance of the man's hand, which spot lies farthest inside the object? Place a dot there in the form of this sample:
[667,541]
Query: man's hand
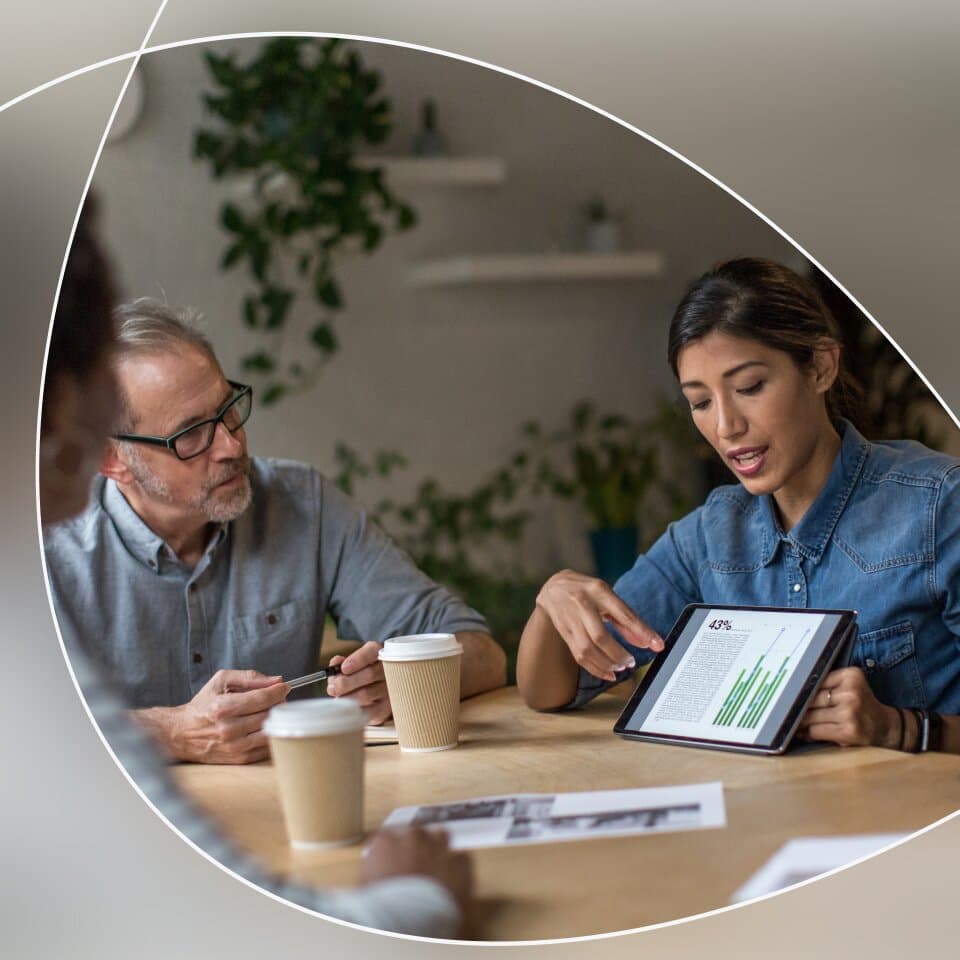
[222,723]
[361,679]
[578,607]
[846,712]
[418,852]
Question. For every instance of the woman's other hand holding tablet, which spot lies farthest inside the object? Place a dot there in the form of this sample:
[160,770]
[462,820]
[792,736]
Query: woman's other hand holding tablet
[846,712]
[568,630]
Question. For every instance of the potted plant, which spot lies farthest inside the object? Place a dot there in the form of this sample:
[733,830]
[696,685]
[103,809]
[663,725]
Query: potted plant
[606,464]
[603,229]
[611,466]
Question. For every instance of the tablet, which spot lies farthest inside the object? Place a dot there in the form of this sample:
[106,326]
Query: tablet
[736,678]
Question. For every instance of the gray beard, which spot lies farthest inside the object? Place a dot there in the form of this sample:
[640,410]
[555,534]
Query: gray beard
[214,509]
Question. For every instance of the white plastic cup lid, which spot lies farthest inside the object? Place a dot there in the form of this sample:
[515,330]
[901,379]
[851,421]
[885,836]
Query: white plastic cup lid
[319,717]
[421,646]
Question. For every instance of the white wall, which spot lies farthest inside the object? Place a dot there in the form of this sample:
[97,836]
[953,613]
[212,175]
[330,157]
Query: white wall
[444,375]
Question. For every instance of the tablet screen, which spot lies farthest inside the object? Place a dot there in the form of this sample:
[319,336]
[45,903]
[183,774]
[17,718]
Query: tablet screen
[733,674]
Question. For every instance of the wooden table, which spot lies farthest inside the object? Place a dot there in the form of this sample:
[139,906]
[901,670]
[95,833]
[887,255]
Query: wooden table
[575,888]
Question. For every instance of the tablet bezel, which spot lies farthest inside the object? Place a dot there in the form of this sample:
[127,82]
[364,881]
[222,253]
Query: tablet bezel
[842,633]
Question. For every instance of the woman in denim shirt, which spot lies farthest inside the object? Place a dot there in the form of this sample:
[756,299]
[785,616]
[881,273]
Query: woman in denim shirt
[820,518]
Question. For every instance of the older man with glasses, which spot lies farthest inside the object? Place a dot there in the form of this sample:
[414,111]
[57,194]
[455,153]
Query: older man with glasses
[201,577]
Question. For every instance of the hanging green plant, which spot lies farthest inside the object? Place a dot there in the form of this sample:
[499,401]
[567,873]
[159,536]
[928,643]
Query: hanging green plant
[292,120]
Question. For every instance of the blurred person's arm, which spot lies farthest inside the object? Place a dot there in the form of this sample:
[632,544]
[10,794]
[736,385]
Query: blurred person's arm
[412,885]
[417,853]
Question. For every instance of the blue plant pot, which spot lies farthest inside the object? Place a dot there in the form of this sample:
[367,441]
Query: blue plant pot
[614,551]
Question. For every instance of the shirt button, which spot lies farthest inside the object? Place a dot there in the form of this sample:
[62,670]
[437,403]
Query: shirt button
[198,658]
[152,564]
[796,588]
[870,663]
[271,618]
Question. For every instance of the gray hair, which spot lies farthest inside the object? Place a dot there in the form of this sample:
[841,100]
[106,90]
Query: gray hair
[147,326]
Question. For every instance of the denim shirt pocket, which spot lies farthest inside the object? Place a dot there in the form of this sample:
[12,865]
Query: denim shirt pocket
[888,657]
[267,631]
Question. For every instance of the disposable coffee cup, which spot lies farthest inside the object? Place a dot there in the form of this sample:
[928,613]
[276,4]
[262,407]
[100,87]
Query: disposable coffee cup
[423,681]
[317,748]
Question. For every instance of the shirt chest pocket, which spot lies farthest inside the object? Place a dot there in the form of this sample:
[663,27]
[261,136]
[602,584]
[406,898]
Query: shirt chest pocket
[888,657]
[268,636]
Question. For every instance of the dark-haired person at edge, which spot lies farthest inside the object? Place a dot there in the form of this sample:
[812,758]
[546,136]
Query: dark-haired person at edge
[820,518]
[411,882]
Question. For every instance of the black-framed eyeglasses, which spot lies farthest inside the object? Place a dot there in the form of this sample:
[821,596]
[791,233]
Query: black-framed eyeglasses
[198,437]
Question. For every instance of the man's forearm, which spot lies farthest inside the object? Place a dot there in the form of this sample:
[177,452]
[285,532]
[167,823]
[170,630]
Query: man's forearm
[484,664]
[161,724]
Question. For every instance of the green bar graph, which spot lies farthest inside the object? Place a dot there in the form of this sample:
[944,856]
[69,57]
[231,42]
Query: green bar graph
[757,698]
[762,691]
[734,690]
[740,691]
[748,698]
[744,693]
[766,693]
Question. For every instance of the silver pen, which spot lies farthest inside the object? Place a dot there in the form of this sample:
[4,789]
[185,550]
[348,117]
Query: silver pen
[312,677]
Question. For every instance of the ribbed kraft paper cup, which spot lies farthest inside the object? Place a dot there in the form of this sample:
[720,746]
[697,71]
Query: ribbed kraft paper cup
[317,748]
[423,681]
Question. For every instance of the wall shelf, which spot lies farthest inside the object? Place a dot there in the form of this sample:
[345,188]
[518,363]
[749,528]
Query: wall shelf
[404,171]
[518,267]
[440,171]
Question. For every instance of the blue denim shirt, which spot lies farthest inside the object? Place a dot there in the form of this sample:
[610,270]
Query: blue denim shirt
[882,538]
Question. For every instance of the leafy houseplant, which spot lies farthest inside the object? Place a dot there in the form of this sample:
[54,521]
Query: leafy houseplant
[610,465]
[295,115]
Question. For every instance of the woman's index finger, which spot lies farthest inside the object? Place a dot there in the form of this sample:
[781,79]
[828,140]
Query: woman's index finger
[640,633]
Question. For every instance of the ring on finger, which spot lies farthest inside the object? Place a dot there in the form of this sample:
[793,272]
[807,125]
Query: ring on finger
[829,697]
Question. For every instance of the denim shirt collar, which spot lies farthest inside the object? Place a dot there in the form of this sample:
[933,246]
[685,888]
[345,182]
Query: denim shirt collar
[145,545]
[812,534]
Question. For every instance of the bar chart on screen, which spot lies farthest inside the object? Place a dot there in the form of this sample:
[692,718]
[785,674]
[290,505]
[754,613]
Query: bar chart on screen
[728,684]
[747,701]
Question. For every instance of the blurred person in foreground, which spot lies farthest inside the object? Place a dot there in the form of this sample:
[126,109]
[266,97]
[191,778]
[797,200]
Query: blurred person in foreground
[411,882]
